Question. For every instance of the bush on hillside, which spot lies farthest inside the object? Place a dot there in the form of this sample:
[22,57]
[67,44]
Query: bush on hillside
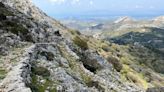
[41,71]
[116,63]
[81,43]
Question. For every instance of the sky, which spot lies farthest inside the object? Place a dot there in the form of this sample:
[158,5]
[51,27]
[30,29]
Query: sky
[70,8]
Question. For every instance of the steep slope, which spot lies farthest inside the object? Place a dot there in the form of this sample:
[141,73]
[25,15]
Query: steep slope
[44,56]
[137,49]
[142,52]
[152,39]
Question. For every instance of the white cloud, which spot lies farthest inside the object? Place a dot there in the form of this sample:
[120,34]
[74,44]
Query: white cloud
[91,2]
[75,1]
[57,1]
[138,6]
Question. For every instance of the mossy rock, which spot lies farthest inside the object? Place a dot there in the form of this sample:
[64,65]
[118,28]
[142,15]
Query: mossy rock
[81,43]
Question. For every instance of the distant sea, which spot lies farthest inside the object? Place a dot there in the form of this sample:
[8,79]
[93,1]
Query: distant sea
[107,16]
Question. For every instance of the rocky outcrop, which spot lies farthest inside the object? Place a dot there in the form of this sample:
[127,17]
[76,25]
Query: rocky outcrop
[30,10]
[17,27]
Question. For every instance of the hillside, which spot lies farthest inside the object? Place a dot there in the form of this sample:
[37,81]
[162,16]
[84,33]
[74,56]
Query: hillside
[135,48]
[141,50]
[159,19]
[39,54]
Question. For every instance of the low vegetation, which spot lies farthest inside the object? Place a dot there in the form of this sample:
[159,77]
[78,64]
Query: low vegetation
[129,74]
[2,74]
[75,32]
[82,43]
[46,84]
[4,11]
[116,63]
[40,71]
[41,80]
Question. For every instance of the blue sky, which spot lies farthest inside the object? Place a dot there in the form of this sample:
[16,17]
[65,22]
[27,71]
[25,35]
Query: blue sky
[70,8]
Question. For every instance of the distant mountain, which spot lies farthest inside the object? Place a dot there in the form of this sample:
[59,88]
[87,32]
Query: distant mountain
[159,19]
[96,27]
[125,19]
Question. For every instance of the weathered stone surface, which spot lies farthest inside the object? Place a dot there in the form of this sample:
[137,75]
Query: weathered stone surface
[19,76]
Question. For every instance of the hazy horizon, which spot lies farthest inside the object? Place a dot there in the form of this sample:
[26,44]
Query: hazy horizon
[103,8]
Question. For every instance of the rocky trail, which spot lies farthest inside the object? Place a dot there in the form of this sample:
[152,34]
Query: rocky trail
[64,68]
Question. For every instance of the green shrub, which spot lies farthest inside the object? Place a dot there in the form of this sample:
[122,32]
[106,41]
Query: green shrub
[2,74]
[96,85]
[36,86]
[41,71]
[16,28]
[81,43]
[137,79]
[4,10]
[116,63]
[74,32]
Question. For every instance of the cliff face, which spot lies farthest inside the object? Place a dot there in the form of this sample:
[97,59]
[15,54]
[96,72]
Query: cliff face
[38,54]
